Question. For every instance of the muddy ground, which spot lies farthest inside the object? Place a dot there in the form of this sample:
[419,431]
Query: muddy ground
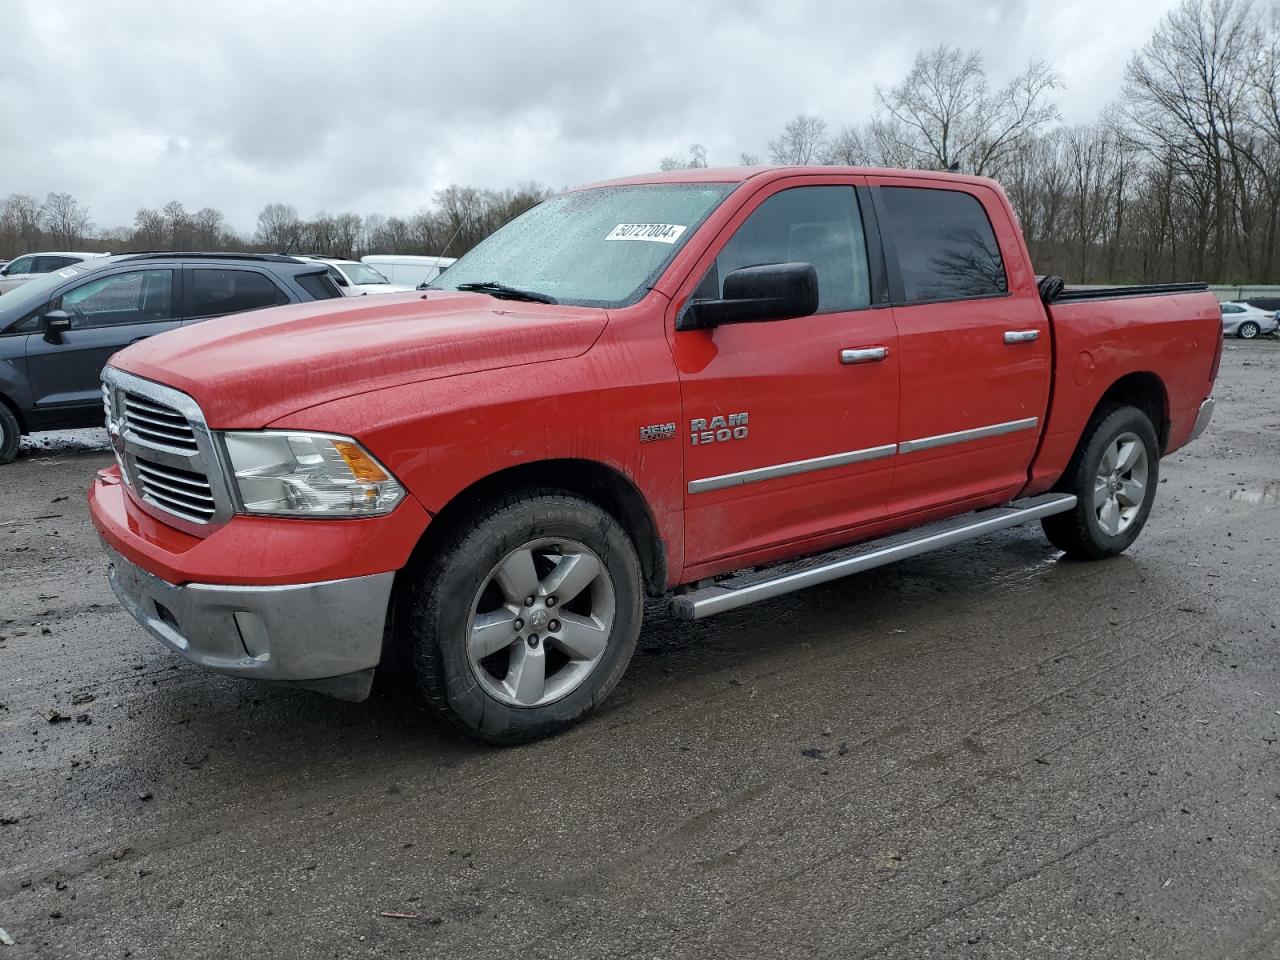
[987,752]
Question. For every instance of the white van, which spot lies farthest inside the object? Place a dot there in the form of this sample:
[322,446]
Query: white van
[406,270]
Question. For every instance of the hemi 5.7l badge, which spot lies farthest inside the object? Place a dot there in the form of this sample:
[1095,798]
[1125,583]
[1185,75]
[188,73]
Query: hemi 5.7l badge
[718,429]
[657,431]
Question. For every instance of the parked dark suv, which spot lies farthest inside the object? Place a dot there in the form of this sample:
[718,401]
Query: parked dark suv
[57,332]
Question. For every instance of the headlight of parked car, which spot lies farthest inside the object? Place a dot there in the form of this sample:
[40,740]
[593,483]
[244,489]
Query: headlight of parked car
[309,474]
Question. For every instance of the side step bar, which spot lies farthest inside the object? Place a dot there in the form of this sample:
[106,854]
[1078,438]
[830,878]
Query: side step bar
[752,586]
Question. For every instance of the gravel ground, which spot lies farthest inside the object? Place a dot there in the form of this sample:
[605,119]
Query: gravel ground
[986,752]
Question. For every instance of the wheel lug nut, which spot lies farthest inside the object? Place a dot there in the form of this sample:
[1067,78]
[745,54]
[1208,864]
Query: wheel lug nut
[528,601]
[551,601]
[533,640]
[519,624]
[553,626]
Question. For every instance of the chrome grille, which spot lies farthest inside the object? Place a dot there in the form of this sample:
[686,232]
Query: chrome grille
[156,422]
[183,492]
[168,457]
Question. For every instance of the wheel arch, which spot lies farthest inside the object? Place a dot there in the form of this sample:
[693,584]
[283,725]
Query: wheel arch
[603,485]
[1146,391]
[23,426]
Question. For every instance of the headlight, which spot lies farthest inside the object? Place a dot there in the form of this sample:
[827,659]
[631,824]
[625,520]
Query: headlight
[309,474]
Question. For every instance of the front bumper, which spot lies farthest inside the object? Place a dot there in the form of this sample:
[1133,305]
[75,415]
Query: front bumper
[1202,419]
[325,635]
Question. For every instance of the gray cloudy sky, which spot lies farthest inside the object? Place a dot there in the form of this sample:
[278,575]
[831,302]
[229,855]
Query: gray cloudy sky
[373,106]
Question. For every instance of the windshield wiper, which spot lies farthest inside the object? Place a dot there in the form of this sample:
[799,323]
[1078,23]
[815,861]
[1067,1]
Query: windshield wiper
[504,292]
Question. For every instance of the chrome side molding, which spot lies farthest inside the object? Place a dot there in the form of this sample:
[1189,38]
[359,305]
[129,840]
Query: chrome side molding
[742,589]
[789,469]
[964,436]
[773,471]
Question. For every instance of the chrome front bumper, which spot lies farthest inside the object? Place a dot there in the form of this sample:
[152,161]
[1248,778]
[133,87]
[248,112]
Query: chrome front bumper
[1202,419]
[327,635]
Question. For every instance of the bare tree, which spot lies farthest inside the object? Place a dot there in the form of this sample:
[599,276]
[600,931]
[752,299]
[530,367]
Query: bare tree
[1188,91]
[149,229]
[946,116]
[208,229]
[697,158]
[279,227]
[803,141]
[22,222]
[66,220]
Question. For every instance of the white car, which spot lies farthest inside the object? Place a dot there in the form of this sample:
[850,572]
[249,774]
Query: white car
[29,266]
[1246,321]
[356,279]
[405,268]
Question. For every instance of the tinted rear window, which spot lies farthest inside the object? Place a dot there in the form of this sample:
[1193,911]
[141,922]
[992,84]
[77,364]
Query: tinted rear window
[216,292]
[946,247]
[319,285]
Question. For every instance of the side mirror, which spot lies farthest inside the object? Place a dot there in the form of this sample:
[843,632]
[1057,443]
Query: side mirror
[771,291]
[54,324]
[340,280]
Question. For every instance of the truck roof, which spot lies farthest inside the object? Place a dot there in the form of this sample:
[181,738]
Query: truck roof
[742,174]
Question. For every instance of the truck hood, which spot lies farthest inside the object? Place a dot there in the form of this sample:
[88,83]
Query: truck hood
[251,369]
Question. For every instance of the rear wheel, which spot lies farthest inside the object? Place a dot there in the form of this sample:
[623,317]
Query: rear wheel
[1248,330]
[1113,475]
[524,619]
[10,434]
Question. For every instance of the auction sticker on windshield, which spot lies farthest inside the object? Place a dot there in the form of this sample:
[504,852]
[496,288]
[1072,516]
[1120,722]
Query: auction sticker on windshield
[654,232]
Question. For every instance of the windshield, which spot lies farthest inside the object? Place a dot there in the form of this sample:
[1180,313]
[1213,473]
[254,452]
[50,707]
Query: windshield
[601,247]
[362,273]
[19,301]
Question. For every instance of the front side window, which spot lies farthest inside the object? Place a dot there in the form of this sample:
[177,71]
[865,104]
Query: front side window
[816,225]
[140,296]
[600,247]
[218,292]
[945,245]
[19,267]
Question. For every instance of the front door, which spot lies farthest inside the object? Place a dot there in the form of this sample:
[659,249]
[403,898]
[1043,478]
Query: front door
[107,314]
[975,343]
[788,426]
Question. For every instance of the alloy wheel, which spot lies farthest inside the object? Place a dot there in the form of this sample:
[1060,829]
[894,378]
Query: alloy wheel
[1121,483]
[540,622]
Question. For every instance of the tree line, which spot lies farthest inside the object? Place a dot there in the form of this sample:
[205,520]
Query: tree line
[1179,179]
[459,219]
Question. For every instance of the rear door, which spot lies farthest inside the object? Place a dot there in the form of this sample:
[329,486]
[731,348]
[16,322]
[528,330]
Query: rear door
[974,342]
[788,435]
[107,314]
[214,291]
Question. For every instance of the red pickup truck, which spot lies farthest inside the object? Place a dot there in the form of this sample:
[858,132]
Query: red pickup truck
[716,385]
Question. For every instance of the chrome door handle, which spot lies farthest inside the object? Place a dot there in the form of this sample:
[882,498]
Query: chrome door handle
[1021,336]
[864,355]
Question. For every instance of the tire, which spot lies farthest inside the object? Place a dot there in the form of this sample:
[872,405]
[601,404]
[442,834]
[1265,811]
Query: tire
[458,603]
[1110,511]
[1247,330]
[10,434]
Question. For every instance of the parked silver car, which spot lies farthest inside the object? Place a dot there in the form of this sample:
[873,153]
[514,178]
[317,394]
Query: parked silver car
[1246,322]
[32,265]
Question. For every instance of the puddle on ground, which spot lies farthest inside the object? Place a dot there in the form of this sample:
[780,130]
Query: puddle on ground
[1270,493]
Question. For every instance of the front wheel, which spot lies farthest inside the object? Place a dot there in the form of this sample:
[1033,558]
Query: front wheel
[1248,330]
[525,618]
[1113,474]
[10,434]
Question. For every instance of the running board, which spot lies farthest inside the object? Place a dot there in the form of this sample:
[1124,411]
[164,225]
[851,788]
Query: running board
[752,586]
